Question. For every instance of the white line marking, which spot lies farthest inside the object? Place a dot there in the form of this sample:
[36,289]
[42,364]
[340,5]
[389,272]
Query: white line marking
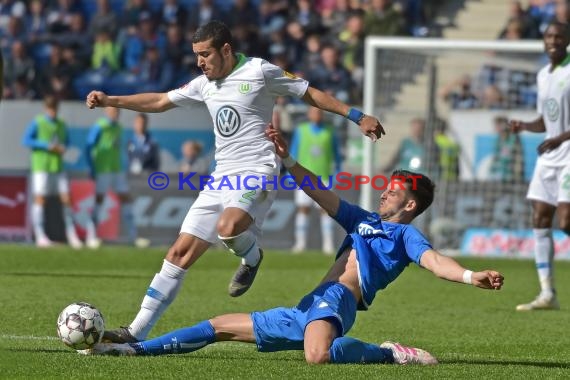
[27,337]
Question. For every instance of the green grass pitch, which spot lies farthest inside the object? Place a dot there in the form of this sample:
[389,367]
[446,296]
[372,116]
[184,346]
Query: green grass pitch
[474,333]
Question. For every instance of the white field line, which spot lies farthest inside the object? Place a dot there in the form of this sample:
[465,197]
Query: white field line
[27,337]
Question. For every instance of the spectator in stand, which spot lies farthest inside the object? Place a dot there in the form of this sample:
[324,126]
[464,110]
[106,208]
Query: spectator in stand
[10,8]
[146,35]
[192,160]
[106,54]
[206,11]
[59,16]
[144,153]
[459,94]
[14,32]
[383,18]
[57,76]
[331,76]
[19,66]
[304,13]
[243,11]
[296,41]
[562,12]
[521,20]
[178,53]
[411,154]
[104,19]
[35,21]
[132,12]
[492,98]
[507,164]
[173,13]
[311,56]
[78,38]
[542,12]
[352,38]
[156,74]
[269,19]
[334,19]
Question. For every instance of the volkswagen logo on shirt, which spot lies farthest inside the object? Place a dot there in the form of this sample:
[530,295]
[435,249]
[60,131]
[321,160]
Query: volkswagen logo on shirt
[227,121]
[552,109]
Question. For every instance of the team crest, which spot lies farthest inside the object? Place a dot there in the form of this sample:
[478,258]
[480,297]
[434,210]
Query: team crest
[552,109]
[244,88]
[227,121]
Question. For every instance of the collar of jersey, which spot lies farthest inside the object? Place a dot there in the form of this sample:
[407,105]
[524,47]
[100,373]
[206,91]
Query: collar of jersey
[564,62]
[241,60]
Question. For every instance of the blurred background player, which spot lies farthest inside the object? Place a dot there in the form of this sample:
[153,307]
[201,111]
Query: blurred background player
[144,153]
[105,164]
[549,189]
[47,138]
[315,146]
[192,161]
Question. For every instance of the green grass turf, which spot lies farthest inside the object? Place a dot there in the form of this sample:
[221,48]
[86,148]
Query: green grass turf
[474,333]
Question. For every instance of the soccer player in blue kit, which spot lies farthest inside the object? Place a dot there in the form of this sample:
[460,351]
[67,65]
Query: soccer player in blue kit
[376,250]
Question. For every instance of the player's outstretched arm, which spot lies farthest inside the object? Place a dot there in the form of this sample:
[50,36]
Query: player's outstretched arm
[447,268]
[147,102]
[328,200]
[536,126]
[369,125]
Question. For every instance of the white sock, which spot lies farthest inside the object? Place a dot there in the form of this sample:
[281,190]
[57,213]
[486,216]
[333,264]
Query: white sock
[129,221]
[543,257]
[70,232]
[301,230]
[243,245]
[327,231]
[38,221]
[159,295]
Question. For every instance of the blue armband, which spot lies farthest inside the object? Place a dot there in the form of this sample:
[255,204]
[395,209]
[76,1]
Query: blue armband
[355,115]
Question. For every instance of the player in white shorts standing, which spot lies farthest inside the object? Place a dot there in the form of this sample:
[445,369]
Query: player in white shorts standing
[549,189]
[240,93]
[47,138]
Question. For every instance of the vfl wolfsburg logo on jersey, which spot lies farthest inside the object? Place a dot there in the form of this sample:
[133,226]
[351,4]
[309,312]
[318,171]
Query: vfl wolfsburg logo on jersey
[227,121]
[552,109]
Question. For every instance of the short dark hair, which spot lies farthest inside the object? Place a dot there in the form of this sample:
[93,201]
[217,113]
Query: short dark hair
[564,27]
[215,30]
[419,187]
[51,101]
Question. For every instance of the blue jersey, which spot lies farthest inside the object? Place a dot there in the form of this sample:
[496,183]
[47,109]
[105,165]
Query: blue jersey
[383,249]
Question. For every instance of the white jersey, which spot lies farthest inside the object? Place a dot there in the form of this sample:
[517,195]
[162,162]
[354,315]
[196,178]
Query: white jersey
[241,106]
[554,106]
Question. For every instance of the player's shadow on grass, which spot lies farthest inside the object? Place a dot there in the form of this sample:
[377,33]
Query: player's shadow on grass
[508,362]
[78,275]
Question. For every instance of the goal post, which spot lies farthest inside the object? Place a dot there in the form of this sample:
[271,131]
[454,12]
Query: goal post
[405,79]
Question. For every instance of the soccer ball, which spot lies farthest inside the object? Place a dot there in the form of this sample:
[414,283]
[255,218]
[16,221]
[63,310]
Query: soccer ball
[80,325]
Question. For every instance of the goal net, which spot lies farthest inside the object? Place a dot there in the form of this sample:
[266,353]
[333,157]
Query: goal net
[465,91]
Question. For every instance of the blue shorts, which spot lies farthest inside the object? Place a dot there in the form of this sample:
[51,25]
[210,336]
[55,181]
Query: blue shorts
[283,328]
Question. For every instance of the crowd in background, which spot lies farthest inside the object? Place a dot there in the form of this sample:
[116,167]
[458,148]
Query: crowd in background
[68,47]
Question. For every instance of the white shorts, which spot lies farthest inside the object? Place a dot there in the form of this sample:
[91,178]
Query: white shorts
[116,181]
[44,183]
[303,200]
[202,218]
[550,184]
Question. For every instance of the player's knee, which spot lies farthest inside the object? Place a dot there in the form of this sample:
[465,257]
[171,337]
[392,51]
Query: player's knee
[541,221]
[226,227]
[565,226]
[317,356]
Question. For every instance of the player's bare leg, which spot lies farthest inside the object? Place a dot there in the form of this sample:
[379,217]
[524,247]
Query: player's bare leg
[233,231]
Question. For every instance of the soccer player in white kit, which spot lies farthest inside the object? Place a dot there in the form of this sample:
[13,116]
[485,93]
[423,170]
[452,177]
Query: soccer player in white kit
[240,93]
[549,189]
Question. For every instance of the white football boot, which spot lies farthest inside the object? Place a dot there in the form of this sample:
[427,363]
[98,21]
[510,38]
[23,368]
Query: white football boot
[542,302]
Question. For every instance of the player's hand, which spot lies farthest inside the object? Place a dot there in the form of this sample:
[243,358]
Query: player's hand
[371,127]
[57,148]
[487,279]
[96,99]
[517,126]
[277,139]
[549,144]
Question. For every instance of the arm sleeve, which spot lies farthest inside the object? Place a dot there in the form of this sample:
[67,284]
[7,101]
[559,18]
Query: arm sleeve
[29,139]
[92,139]
[282,83]
[416,244]
[188,94]
[294,150]
[348,215]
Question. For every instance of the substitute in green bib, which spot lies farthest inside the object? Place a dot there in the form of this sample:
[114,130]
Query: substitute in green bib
[105,167]
[47,138]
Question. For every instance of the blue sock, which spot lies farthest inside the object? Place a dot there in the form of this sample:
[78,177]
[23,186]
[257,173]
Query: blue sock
[179,341]
[350,350]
